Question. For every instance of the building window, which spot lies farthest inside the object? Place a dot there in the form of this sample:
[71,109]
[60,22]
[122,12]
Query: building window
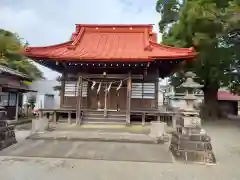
[143,90]
[71,88]
[148,90]
[12,99]
[85,89]
[137,90]
[4,99]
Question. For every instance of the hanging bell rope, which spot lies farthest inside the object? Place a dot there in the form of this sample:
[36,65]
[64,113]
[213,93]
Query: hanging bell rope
[120,85]
[99,87]
[93,84]
[113,82]
[109,87]
[100,84]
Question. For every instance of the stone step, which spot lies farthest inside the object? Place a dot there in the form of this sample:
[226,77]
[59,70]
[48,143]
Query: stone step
[107,119]
[108,112]
[104,122]
[102,115]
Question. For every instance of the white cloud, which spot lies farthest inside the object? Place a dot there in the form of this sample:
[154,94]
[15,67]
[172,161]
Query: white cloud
[48,22]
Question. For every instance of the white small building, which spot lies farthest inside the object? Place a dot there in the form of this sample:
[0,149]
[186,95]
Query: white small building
[45,95]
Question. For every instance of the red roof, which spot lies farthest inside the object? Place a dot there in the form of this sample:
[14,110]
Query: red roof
[227,96]
[110,42]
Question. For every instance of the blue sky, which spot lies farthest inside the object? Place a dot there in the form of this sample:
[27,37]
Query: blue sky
[46,22]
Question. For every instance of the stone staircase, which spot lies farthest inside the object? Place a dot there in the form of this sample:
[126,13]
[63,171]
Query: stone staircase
[113,117]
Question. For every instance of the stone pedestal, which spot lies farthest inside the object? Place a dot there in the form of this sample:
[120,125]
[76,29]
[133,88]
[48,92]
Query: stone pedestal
[39,125]
[189,121]
[7,135]
[158,129]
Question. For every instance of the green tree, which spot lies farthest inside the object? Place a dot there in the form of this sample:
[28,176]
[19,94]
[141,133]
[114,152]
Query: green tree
[31,100]
[207,26]
[58,87]
[10,44]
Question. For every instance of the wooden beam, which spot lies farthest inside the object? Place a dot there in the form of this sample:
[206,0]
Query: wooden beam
[17,107]
[79,100]
[62,89]
[143,118]
[112,76]
[129,96]
[54,116]
[156,88]
[69,118]
[105,100]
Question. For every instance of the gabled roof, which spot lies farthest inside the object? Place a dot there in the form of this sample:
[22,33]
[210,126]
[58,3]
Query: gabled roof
[110,43]
[8,70]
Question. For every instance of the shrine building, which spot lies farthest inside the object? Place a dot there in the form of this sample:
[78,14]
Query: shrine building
[110,72]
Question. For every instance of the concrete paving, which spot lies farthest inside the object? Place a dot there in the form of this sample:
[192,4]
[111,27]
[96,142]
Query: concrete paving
[15,168]
[225,145]
[95,136]
[21,135]
[90,150]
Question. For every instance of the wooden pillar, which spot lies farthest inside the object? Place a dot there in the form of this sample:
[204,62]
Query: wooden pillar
[69,118]
[156,88]
[143,119]
[17,107]
[62,93]
[174,121]
[54,116]
[105,101]
[129,96]
[79,100]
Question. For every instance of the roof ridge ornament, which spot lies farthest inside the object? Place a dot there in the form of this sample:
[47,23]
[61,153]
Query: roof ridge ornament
[77,38]
[148,48]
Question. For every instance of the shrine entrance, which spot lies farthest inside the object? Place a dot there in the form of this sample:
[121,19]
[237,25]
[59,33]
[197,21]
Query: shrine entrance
[116,100]
[112,100]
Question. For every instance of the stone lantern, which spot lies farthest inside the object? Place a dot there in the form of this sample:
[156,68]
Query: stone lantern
[190,85]
[190,113]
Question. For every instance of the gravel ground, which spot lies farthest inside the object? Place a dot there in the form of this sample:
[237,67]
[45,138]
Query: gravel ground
[225,143]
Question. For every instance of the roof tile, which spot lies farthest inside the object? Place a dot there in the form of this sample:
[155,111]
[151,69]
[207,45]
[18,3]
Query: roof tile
[110,42]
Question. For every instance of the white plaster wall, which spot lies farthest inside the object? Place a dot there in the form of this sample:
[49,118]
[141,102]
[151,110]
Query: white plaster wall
[44,87]
[160,98]
[39,101]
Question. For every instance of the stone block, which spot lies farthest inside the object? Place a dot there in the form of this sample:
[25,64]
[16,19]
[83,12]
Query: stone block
[39,125]
[158,129]
[193,131]
[192,122]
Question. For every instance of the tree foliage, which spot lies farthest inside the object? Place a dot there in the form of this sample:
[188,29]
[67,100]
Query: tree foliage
[9,44]
[212,28]
[58,87]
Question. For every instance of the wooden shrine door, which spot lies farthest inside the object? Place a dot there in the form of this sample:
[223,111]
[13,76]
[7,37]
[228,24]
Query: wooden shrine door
[117,99]
[112,101]
[96,100]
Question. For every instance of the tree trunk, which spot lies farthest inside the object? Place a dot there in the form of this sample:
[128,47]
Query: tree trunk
[210,109]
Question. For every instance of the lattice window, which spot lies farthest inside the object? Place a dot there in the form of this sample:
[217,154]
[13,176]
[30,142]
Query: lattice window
[71,88]
[143,90]
[4,99]
[85,89]
[148,90]
[136,90]
[12,99]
